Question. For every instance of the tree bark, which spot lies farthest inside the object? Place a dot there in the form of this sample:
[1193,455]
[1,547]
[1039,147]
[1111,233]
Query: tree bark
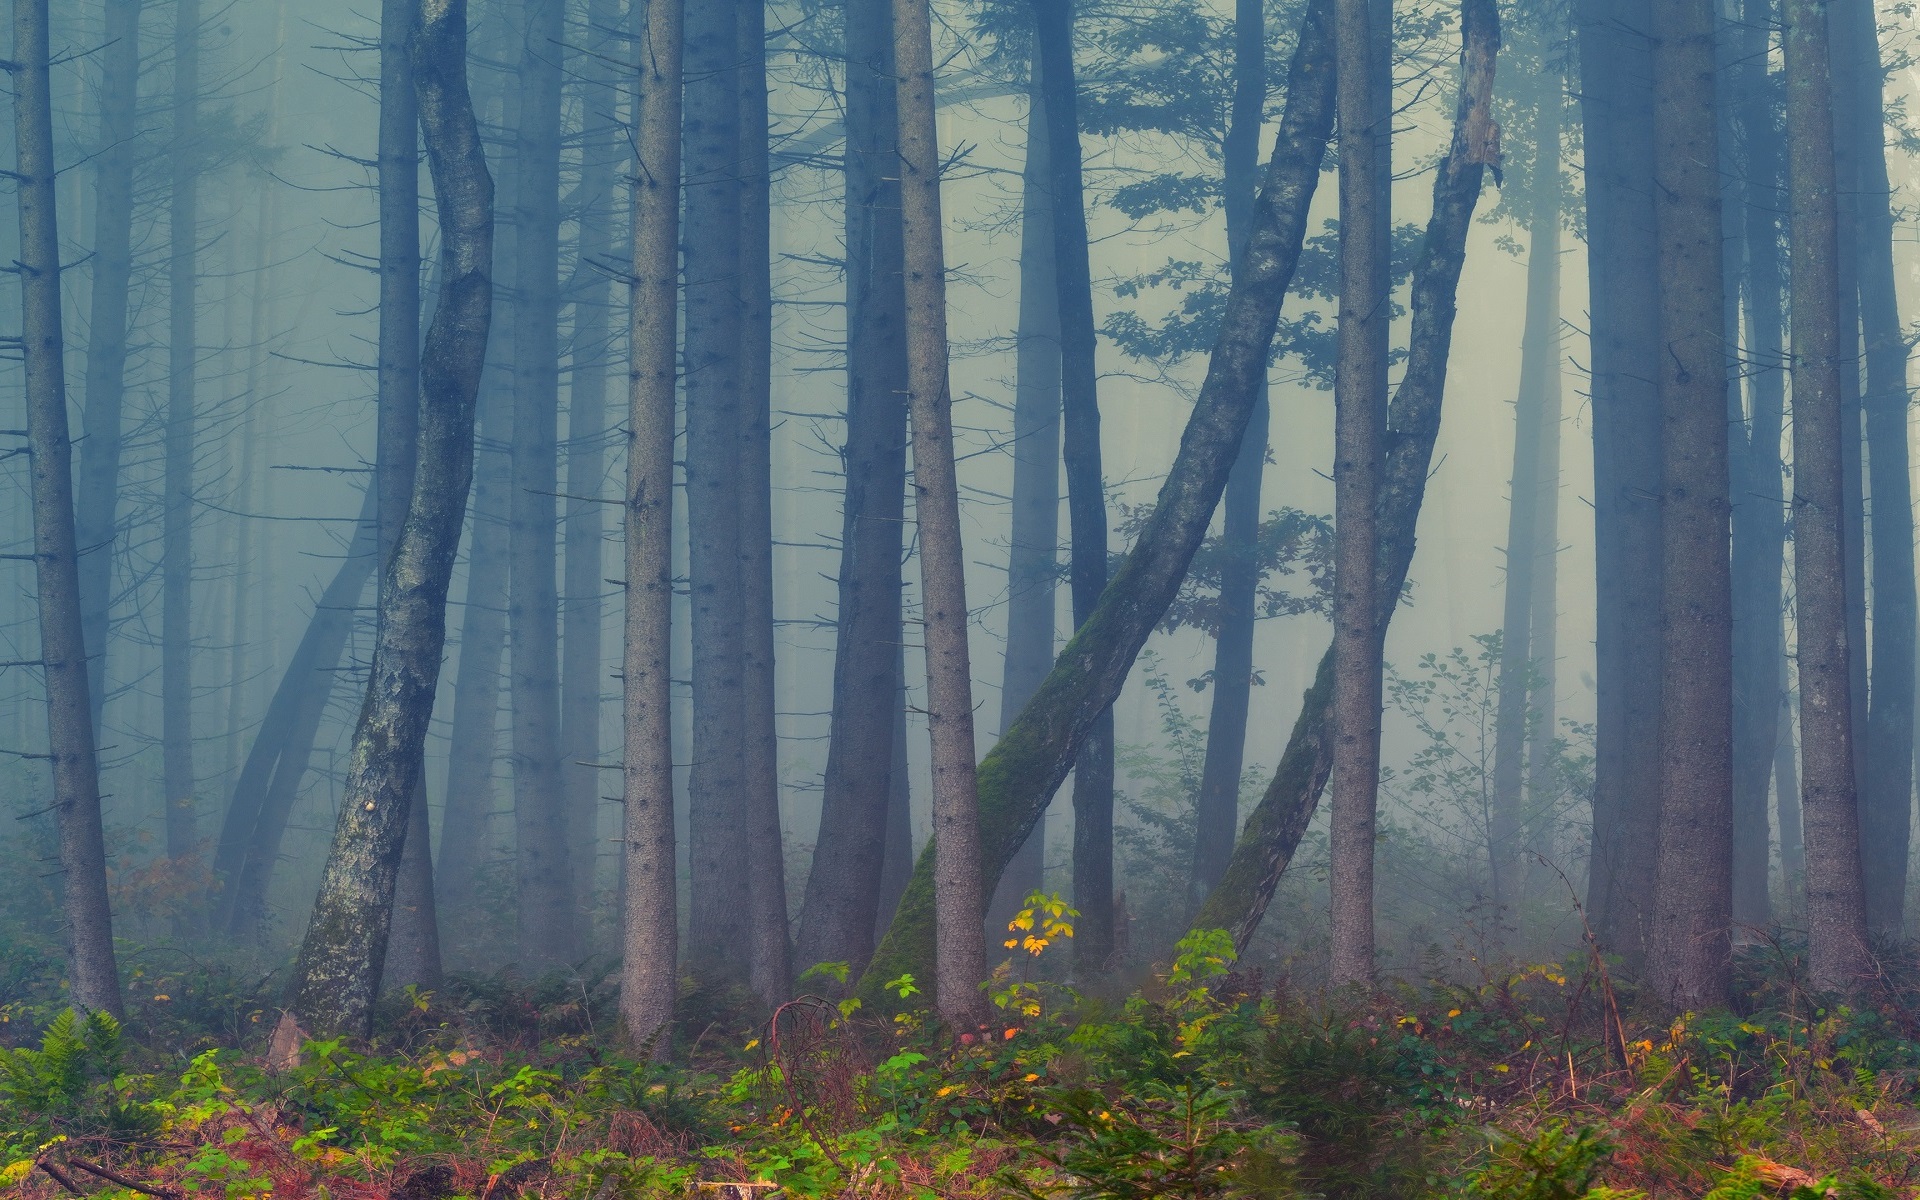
[1759,522]
[769,951]
[837,917]
[413,954]
[583,670]
[1836,907]
[98,502]
[1272,832]
[718,929]
[1786,787]
[1887,787]
[1217,811]
[176,535]
[1617,121]
[1033,549]
[958,892]
[650,930]
[548,912]
[896,865]
[63,657]
[1093,936]
[1533,493]
[337,975]
[1018,777]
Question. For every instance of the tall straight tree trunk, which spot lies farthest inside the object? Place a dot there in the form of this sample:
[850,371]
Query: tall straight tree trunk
[248,849]
[1617,120]
[1786,789]
[1689,956]
[896,864]
[1532,496]
[583,671]
[837,915]
[63,657]
[1033,549]
[548,912]
[1360,396]
[769,952]
[338,972]
[104,400]
[176,535]
[1094,936]
[959,898]
[1886,800]
[1759,530]
[650,929]
[1018,777]
[717,930]
[1272,832]
[413,954]
[1217,812]
[1836,905]
[1033,544]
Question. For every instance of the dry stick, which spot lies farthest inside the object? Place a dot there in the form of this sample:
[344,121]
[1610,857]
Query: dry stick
[60,1177]
[112,1176]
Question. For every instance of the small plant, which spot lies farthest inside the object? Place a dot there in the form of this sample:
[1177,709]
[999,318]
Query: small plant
[72,1084]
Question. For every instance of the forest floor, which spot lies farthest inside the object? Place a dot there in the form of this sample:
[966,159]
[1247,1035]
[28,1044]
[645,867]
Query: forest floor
[1539,1084]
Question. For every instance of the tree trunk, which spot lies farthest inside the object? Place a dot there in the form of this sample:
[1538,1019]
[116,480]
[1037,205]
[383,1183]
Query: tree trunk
[959,897]
[94,975]
[176,536]
[1533,494]
[1272,832]
[1018,777]
[1836,908]
[896,865]
[1033,548]
[98,514]
[1786,786]
[650,930]
[1217,812]
[1887,787]
[269,782]
[583,671]
[769,952]
[338,972]
[1617,121]
[1759,529]
[413,955]
[548,912]
[717,813]
[837,917]
[1093,937]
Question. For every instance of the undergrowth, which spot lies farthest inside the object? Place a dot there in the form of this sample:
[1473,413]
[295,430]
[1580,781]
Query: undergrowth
[1208,1082]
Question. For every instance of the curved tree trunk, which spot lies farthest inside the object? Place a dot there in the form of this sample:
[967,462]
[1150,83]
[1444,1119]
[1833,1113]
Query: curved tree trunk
[338,972]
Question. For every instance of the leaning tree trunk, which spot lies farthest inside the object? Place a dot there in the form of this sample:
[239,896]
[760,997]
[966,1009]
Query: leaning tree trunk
[1886,799]
[1836,909]
[1617,130]
[1018,777]
[1093,941]
[1360,397]
[769,953]
[649,926]
[959,899]
[717,928]
[837,916]
[1272,833]
[338,972]
[176,522]
[98,512]
[1689,955]
[1217,811]
[1033,548]
[63,656]
[413,954]
[547,925]
[583,671]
